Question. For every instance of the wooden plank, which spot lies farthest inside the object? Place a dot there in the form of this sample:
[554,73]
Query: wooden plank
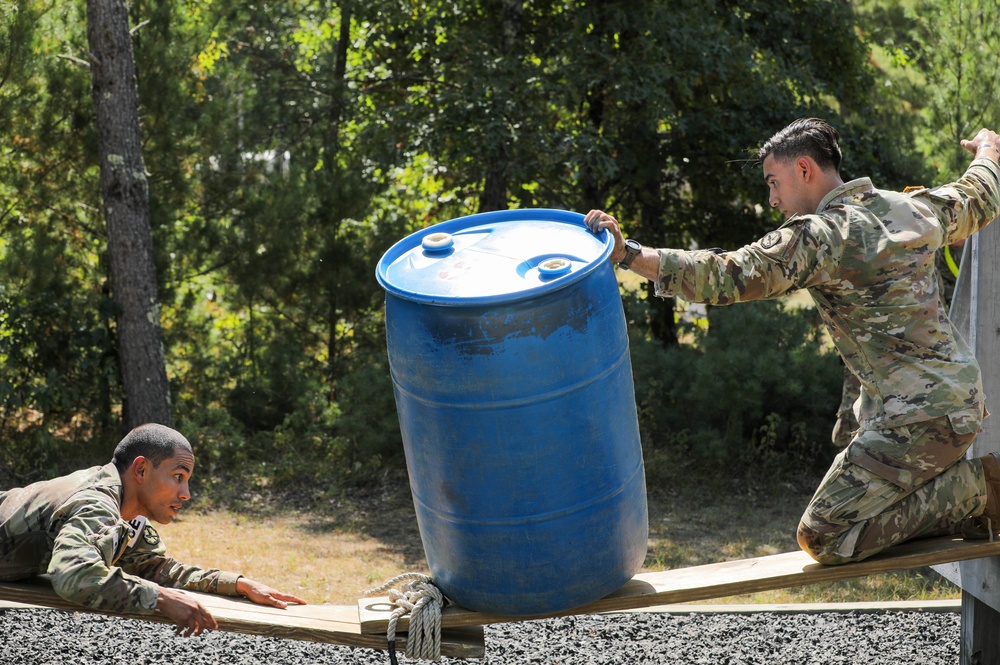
[950,606]
[329,624]
[717,580]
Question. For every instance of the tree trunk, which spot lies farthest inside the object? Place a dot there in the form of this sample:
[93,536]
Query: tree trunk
[126,209]
[332,195]
[497,180]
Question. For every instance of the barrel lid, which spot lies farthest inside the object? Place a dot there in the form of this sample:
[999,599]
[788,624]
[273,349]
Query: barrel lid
[490,257]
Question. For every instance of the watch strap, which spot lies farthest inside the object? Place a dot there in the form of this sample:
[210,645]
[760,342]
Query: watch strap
[632,249]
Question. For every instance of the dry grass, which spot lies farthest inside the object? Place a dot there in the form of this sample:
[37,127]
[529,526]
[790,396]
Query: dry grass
[297,553]
[685,531]
[329,554]
[334,554]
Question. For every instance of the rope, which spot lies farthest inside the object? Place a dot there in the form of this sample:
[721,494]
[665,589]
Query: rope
[423,602]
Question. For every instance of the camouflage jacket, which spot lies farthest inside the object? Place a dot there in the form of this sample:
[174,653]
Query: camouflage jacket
[867,257]
[71,528]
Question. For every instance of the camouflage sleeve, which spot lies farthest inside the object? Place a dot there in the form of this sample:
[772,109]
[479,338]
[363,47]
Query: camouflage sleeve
[969,204]
[799,254]
[83,556]
[148,560]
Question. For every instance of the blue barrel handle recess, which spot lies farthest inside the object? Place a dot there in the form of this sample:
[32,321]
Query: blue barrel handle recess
[514,392]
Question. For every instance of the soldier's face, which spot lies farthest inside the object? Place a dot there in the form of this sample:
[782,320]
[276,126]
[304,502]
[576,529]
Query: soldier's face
[164,488]
[786,188]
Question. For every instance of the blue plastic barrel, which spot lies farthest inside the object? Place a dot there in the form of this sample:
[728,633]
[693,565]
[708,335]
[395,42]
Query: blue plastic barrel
[510,365]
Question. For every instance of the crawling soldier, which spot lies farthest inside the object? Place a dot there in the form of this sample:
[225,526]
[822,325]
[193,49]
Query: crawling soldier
[89,531]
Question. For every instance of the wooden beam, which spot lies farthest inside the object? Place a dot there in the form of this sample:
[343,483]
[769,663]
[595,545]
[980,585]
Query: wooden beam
[717,580]
[329,624]
[980,581]
[975,311]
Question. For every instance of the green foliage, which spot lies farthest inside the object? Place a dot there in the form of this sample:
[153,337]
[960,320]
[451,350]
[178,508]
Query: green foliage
[56,355]
[318,446]
[939,65]
[755,394]
[34,449]
[289,144]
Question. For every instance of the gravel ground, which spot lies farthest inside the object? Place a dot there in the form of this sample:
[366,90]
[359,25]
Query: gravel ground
[40,637]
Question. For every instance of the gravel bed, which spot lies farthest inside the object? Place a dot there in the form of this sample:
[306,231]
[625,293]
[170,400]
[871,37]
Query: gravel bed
[40,637]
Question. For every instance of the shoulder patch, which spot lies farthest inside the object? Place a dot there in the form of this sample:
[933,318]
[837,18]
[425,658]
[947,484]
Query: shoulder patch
[770,240]
[909,189]
[150,536]
[781,244]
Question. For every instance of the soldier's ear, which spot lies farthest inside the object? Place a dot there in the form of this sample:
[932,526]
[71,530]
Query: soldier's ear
[805,166]
[140,465]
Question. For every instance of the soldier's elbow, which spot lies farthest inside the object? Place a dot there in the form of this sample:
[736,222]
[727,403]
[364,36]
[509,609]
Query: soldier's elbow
[69,587]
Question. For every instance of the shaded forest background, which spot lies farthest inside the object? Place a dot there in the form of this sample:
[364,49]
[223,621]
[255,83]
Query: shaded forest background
[287,145]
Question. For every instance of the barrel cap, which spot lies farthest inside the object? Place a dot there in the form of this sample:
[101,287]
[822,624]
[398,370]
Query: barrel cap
[493,257]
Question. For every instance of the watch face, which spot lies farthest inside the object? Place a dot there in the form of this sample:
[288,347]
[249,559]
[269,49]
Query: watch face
[632,249]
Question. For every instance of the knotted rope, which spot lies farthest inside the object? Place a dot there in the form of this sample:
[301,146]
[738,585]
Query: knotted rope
[423,602]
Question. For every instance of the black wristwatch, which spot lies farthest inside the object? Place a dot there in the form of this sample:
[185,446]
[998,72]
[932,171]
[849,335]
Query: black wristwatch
[632,249]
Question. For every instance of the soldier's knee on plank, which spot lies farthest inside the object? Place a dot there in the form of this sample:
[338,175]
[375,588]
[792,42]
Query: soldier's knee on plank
[815,545]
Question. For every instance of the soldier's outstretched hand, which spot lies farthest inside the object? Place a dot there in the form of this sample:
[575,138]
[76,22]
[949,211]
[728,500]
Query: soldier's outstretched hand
[262,594]
[985,138]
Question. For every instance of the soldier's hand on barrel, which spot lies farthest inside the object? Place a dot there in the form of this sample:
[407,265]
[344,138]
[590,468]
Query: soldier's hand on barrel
[598,220]
[262,594]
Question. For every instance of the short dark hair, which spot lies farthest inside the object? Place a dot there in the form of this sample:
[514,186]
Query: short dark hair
[154,442]
[811,137]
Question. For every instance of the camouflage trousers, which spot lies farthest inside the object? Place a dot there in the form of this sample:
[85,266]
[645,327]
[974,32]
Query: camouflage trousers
[893,485]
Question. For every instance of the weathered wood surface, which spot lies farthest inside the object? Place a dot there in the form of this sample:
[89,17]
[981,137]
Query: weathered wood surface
[976,310]
[330,624]
[718,580]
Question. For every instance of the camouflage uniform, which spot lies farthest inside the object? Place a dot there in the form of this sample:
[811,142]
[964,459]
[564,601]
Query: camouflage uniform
[71,528]
[847,425]
[867,257]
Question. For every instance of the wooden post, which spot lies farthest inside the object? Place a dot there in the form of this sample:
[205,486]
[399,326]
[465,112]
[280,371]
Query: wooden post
[976,312]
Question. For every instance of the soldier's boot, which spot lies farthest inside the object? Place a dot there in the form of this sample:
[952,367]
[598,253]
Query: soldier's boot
[987,525]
